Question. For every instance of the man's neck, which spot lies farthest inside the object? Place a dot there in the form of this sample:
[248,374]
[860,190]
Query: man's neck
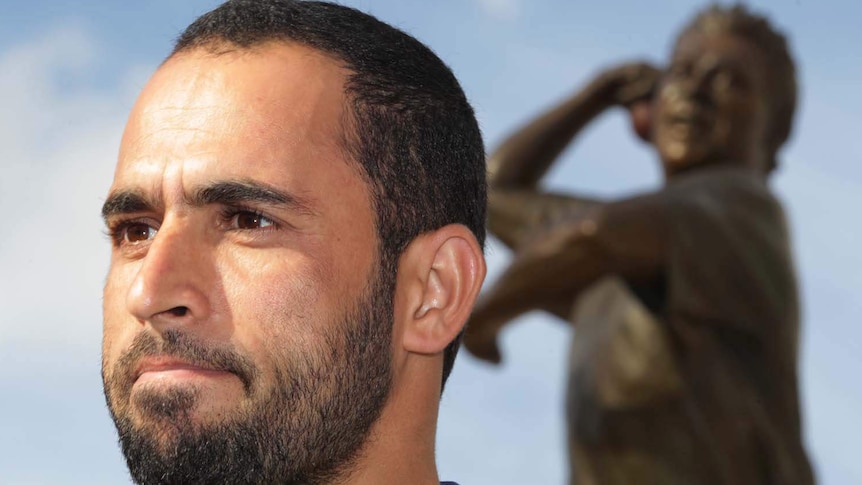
[400,447]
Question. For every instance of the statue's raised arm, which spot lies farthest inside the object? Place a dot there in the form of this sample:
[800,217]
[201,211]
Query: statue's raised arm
[525,156]
[523,216]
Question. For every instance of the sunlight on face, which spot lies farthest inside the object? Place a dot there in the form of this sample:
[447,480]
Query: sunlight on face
[238,275]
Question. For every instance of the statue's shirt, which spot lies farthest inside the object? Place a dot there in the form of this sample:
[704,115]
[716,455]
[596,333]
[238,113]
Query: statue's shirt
[695,381]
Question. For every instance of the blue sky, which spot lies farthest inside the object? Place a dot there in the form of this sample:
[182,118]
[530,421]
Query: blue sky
[69,73]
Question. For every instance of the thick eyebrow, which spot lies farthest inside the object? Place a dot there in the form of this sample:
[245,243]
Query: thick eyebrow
[229,193]
[241,192]
[125,202]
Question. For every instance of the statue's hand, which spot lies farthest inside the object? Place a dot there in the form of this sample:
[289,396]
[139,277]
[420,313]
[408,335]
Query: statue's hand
[480,338]
[629,83]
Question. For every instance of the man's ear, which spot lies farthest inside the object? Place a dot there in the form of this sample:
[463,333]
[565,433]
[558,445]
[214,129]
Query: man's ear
[441,273]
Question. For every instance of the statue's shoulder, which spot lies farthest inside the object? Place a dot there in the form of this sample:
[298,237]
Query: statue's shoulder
[723,192]
[718,178]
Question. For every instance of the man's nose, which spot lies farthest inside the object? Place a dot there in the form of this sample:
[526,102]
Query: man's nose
[172,284]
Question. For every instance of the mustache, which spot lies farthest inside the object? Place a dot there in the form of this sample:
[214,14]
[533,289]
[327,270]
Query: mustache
[180,345]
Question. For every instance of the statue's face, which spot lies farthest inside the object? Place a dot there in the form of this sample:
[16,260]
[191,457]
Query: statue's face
[711,106]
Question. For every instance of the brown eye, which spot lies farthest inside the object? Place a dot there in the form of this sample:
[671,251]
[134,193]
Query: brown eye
[137,232]
[251,220]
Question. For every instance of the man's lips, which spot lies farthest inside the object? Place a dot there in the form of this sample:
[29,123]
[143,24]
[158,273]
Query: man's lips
[164,367]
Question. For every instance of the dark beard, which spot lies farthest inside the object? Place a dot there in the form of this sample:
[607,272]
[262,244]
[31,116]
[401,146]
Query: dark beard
[308,430]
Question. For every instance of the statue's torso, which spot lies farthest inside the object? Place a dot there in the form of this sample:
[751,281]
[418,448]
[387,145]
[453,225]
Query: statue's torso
[693,379]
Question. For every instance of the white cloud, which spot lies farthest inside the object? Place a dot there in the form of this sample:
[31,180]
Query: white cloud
[501,9]
[58,144]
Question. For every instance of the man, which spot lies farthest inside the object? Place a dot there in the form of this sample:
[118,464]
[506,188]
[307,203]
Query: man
[297,218]
[683,368]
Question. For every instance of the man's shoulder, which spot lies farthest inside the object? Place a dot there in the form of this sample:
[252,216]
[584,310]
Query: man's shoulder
[448,483]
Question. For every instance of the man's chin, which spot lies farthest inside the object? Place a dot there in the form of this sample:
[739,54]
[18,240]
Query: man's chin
[175,403]
[163,420]
[180,450]
[185,401]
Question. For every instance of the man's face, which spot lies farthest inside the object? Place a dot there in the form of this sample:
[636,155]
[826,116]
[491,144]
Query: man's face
[712,103]
[245,327]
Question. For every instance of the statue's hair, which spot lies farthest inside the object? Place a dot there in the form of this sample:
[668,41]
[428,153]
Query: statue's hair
[781,71]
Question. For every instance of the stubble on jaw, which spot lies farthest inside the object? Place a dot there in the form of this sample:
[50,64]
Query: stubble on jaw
[309,427]
[173,404]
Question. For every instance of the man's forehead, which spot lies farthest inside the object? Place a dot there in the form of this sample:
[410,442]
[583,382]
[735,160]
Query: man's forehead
[251,114]
[238,106]
[271,81]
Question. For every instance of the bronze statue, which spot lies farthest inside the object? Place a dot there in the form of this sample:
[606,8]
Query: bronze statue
[684,364]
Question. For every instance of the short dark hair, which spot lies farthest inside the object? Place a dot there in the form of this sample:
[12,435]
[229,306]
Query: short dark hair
[413,132]
[781,70]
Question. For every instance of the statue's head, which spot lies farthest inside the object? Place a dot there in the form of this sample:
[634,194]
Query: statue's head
[728,95]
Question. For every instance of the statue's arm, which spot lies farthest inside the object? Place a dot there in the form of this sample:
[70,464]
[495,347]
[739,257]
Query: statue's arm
[627,238]
[524,158]
[518,216]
